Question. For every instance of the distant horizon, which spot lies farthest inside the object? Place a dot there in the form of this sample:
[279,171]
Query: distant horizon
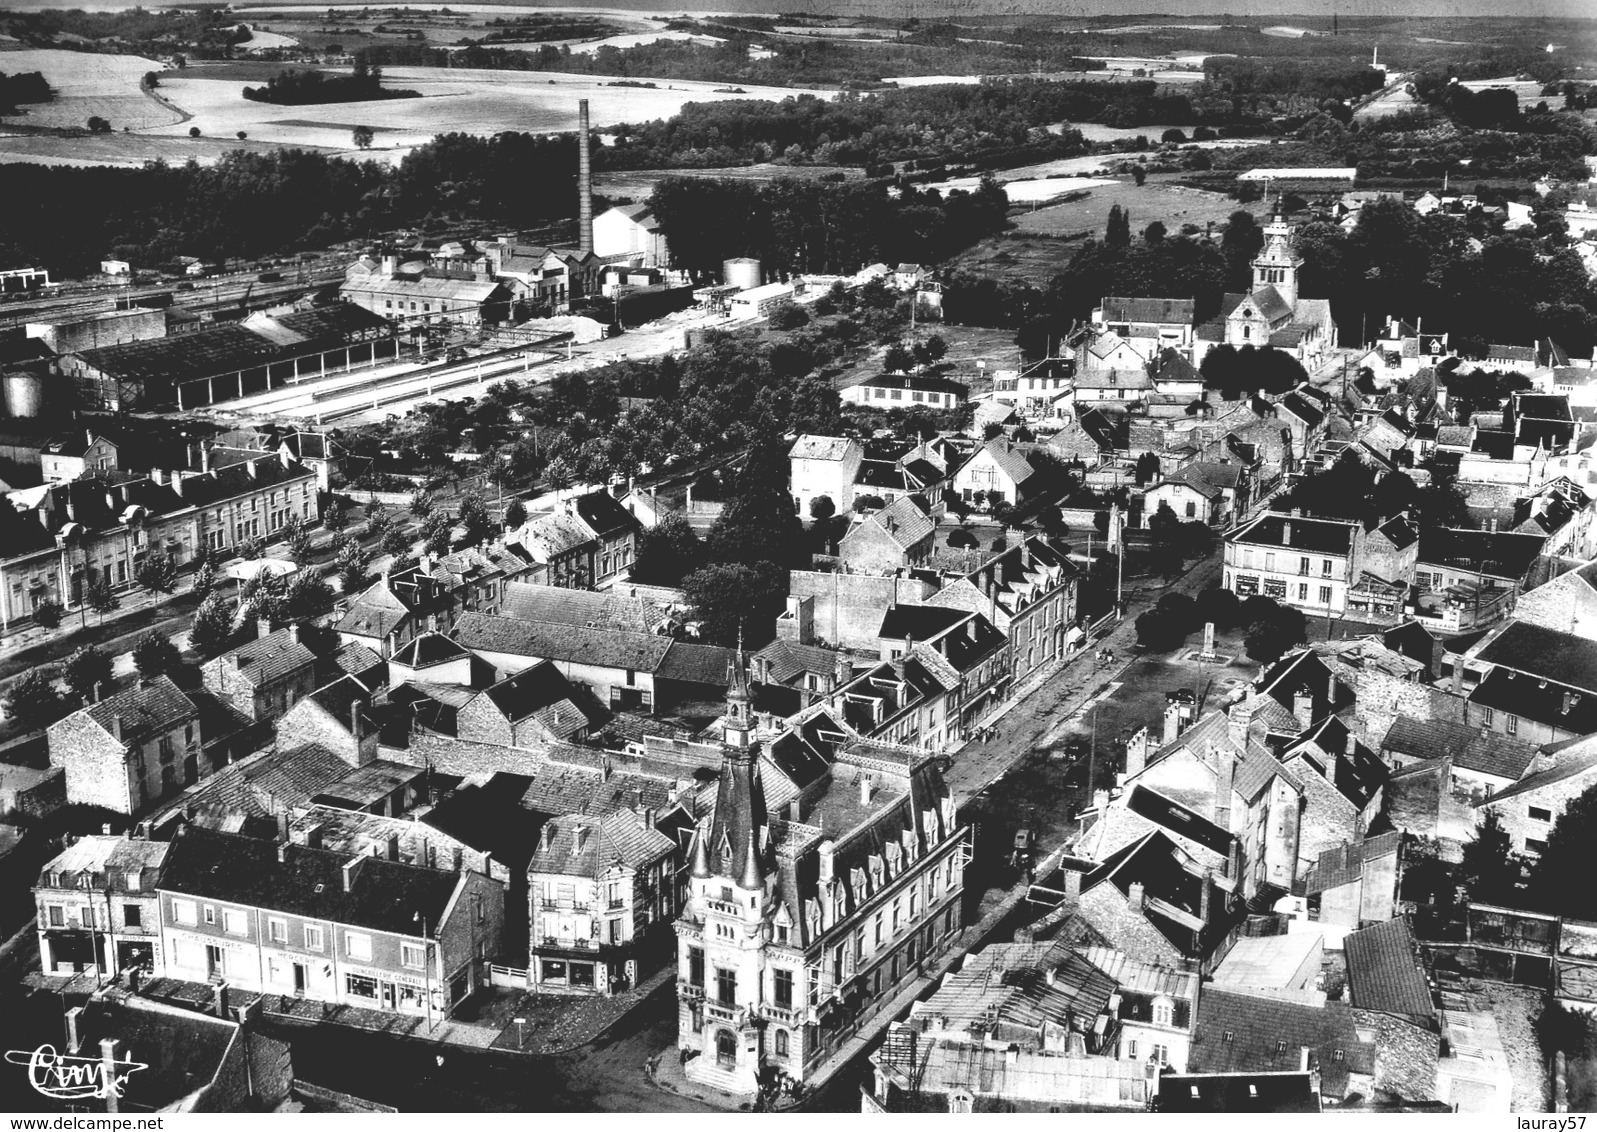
[1584,10]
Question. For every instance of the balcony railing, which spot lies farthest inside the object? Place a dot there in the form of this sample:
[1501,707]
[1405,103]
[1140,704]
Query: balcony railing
[690,991]
[617,903]
[790,1015]
[724,907]
[723,1012]
[578,944]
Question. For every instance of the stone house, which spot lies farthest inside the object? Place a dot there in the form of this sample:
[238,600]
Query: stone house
[561,545]
[1540,684]
[614,531]
[1342,782]
[97,910]
[823,465]
[619,667]
[1567,603]
[1029,592]
[1157,1010]
[131,750]
[1528,810]
[396,609]
[264,678]
[1310,564]
[77,454]
[337,718]
[32,792]
[602,896]
[898,536]
[533,708]
[1391,997]
[1482,762]
[1243,1030]
[1357,882]
[999,470]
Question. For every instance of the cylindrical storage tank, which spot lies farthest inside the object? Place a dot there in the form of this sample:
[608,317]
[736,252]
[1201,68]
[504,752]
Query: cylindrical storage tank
[24,394]
[742,273]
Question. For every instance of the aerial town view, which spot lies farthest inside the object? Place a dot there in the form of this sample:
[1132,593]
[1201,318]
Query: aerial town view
[942,556]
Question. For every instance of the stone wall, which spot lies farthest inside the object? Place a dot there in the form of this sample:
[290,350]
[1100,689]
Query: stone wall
[1405,1055]
[849,607]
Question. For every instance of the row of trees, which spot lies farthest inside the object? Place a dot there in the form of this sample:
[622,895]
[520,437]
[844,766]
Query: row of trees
[1271,628]
[35,701]
[804,225]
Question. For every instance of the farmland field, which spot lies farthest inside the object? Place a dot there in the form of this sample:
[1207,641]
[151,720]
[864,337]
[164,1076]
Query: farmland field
[480,102]
[104,85]
[122,149]
[639,183]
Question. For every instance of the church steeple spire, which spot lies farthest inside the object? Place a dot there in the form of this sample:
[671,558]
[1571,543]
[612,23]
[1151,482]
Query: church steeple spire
[738,830]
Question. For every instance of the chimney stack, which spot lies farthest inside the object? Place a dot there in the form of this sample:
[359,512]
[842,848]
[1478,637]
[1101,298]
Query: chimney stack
[1172,722]
[1134,896]
[1136,753]
[825,862]
[219,999]
[74,1029]
[351,871]
[584,182]
[1225,783]
[393,846]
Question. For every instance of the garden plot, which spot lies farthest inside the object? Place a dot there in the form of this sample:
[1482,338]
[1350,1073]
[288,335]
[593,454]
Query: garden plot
[88,85]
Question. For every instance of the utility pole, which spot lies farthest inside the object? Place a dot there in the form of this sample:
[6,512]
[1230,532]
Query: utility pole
[426,974]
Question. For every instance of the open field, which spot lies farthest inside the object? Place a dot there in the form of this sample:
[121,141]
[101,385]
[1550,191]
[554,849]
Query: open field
[1528,93]
[480,102]
[103,85]
[1156,200]
[125,149]
[1034,253]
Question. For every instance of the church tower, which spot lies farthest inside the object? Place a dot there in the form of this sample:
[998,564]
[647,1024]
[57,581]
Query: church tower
[1277,263]
[723,932]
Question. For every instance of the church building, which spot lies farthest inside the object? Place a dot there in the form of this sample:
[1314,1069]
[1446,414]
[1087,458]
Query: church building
[828,871]
[1273,314]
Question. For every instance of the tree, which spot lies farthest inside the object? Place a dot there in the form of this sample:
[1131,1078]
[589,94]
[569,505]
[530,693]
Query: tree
[438,533]
[100,597]
[299,544]
[475,518]
[758,524]
[252,549]
[242,135]
[1165,551]
[962,539]
[1117,233]
[733,601]
[1174,136]
[204,578]
[350,562]
[194,131]
[667,553]
[334,518]
[1489,870]
[898,358]
[515,514]
[362,136]
[1155,233]
[1571,847]
[86,670]
[305,597]
[1139,175]
[822,507]
[98,125]
[48,614]
[34,702]
[421,504]
[156,655]
[787,316]
[156,573]
[213,626]
[396,543]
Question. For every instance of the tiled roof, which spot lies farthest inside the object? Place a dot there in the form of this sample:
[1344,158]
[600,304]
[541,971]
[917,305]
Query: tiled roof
[427,650]
[1501,756]
[1241,1032]
[1010,460]
[550,536]
[1383,973]
[269,658]
[1344,864]
[690,663]
[552,641]
[904,521]
[603,515]
[144,711]
[789,659]
[620,837]
[1572,758]
[384,895]
[1268,302]
[595,610]
[821,448]
[1142,310]
[530,691]
[1302,408]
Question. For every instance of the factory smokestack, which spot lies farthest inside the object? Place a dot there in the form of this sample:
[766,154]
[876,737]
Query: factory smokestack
[584,182]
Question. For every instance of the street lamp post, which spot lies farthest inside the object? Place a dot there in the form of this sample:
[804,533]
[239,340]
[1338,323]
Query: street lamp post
[426,975]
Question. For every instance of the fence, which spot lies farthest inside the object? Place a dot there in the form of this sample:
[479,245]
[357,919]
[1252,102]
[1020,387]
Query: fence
[500,976]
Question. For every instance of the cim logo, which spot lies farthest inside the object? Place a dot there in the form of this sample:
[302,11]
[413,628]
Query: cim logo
[68,1078]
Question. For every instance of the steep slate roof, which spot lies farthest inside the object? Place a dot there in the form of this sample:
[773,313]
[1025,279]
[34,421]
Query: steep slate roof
[690,663]
[603,515]
[383,896]
[1241,1032]
[1142,310]
[427,650]
[1302,408]
[1539,698]
[1399,532]
[144,711]
[1268,302]
[1547,653]
[1383,974]
[532,691]
[789,659]
[270,657]
[921,622]
[1499,553]
[1156,862]
[553,535]
[1344,864]
[549,640]
[1572,758]
[620,837]
[1493,753]
[1358,774]
[903,521]
[1010,460]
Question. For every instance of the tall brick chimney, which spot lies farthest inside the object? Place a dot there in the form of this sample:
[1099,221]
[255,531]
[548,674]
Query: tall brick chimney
[584,182]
